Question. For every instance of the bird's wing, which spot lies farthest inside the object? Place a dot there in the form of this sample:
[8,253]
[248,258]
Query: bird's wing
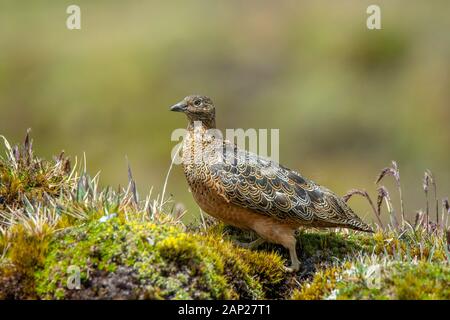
[254,182]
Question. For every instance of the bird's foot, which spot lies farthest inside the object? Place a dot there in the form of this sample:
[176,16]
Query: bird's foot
[292,268]
[249,245]
[295,265]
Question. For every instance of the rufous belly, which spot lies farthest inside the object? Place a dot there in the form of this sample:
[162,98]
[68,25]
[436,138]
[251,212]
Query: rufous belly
[270,229]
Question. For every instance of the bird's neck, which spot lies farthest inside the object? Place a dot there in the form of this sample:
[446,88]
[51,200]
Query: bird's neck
[203,124]
[198,142]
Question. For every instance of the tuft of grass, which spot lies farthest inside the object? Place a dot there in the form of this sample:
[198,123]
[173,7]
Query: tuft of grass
[25,177]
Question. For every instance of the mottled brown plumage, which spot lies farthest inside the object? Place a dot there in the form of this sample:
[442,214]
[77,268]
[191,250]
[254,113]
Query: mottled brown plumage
[252,192]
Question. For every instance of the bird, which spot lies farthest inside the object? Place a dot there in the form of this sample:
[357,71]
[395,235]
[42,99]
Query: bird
[252,192]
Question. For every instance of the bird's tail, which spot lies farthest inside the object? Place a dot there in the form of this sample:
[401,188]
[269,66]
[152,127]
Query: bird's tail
[353,221]
[361,226]
[344,217]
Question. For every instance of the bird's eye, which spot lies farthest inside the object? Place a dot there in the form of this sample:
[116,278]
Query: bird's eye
[197,102]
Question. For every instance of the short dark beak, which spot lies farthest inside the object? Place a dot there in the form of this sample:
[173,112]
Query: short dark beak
[179,107]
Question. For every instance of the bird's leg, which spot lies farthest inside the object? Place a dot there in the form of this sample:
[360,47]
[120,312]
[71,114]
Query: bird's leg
[295,263]
[279,233]
[250,245]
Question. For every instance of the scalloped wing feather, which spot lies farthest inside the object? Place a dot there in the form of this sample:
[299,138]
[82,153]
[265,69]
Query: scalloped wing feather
[254,182]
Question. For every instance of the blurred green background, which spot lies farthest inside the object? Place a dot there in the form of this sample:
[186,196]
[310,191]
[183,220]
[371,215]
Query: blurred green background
[347,100]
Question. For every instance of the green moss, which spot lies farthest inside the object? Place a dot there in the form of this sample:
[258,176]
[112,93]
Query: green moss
[394,280]
[410,265]
[156,261]
[337,245]
[403,281]
[134,259]
[323,283]
[26,253]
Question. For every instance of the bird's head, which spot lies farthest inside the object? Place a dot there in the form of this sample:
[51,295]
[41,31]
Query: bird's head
[197,108]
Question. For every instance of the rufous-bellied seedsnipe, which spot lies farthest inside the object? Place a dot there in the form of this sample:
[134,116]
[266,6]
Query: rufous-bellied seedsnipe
[251,192]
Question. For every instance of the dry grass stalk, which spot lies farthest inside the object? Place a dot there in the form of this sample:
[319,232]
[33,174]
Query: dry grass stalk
[428,181]
[167,176]
[445,212]
[426,185]
[132,184]
[419,219]
[395,173]
[432,182]
[383,194]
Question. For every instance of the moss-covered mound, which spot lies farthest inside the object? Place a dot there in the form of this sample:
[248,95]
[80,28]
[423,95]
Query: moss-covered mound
[63,236]
[132,260]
